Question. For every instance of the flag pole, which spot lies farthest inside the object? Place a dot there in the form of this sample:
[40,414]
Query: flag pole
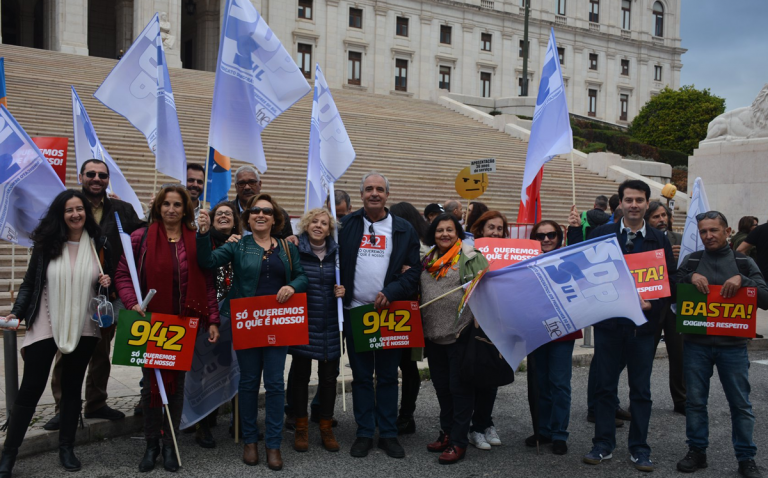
[573,178]
[161,387]
[461,287]
[13,271]
[205,184]
[339,303]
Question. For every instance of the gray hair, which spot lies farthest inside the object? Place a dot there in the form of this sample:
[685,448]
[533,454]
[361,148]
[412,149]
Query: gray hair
[451,206]
[341,196]
[249,169]
[373,173]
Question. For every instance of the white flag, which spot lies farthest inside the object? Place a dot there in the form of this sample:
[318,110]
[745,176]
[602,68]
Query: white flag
[88,146]
[330,150]
[691,240]
[139,88]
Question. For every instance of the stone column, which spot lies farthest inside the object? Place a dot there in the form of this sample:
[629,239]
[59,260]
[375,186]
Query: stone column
[507,67]
[384,67]
[468,65]
[124,24]
[170,24]
[207,41]
[579,102]
[66,26]
[427,46]
[611,96]
[335,65]
[27,23]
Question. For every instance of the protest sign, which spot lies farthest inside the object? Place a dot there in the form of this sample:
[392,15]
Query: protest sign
[650,272]
[155,341]
[487,165]
[712,314]
[264,322]
[470,186]
[503,252]
[55,151]
[397,326]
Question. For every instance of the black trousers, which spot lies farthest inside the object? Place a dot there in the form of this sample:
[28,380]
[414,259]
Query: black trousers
[38,359]
[674,342]
[456,399]
[154,417]
[327,371]
[411,381]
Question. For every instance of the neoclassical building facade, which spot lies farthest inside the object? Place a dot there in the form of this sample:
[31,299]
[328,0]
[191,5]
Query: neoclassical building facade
[615,54]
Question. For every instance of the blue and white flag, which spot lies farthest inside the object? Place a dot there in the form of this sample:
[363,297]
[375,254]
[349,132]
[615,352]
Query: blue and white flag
[691,240]
[139,88]
[28,183]
[125,240]
[88,146]
[551,129]
[528,304]
[214,377]
[219,178]
[330,150]
[256,81]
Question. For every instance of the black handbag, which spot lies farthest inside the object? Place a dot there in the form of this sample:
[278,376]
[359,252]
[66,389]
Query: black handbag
[482,365]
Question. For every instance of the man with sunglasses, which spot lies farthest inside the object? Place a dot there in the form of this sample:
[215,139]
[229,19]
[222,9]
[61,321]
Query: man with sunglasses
[94,176]
[373,248]
[718,264]
[619,340]
[248,185]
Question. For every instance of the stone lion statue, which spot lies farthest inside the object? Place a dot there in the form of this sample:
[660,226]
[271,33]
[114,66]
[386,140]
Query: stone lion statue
[742,123]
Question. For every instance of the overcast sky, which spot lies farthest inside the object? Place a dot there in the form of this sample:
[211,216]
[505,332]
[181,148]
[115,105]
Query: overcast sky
[727,42]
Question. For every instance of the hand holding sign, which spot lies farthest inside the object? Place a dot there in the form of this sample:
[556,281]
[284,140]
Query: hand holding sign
[714,314]
[398,326]
[155,340]
[265,322]
[650,272]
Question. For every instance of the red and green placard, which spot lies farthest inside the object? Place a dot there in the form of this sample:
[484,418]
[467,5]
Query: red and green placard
[155,341]
[397,326]
[650,272]
[711,314]
[264,322]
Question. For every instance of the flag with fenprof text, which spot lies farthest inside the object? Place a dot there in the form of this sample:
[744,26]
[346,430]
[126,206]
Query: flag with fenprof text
[28,183]
[139,88]
[528,304]
[256,81]
[330,150]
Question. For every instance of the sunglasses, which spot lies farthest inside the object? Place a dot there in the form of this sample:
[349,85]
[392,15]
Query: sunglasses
[251,183]
[92,174]
[372,233]
[267,211]
[711,215]
[540,236]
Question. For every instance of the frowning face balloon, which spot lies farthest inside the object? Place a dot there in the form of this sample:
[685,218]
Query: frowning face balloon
[471,186]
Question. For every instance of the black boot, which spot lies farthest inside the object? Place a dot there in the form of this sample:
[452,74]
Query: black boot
[7,461]
[169,458]
[150,455]
[203,435]
[68,459]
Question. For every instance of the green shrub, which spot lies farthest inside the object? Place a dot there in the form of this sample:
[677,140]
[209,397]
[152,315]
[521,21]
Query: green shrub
[673,158]
[595,148]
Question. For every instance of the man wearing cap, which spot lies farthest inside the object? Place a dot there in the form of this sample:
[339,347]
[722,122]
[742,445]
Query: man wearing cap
[432,211]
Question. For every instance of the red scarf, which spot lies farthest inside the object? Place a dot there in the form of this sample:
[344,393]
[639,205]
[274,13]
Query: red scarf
[157,265]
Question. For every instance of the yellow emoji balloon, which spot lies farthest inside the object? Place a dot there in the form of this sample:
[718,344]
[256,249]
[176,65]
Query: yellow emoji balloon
[471,186]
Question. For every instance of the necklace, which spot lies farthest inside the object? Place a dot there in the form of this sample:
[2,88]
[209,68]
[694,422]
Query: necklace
[267,252]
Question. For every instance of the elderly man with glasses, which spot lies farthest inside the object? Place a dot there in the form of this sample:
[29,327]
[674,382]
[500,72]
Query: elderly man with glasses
[718,264]
[248,185]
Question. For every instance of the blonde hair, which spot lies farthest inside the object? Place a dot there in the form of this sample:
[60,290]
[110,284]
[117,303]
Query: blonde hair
[307,218]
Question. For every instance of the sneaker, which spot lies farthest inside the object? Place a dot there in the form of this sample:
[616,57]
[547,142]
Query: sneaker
[392,447]
[749,469]
[559,447]
[491,436]
[693,461]
[53,424]
[642,462]
[531,440]
[361,447]
[596,456]
[477,440]
[106,413]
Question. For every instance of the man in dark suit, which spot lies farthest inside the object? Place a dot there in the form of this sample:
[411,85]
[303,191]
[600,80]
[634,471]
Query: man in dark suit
[660,217]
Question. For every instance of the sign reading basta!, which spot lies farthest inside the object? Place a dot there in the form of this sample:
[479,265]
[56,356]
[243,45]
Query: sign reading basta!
[265,322]
[650,272]
[155,341]
[712,314]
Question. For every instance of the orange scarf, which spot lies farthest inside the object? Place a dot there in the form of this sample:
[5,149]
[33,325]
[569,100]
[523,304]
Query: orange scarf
[438,267]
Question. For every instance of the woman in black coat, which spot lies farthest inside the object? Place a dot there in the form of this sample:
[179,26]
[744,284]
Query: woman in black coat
[317,251]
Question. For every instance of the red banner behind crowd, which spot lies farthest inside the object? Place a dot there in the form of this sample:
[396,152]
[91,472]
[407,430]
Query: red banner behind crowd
[503,252]
[264,322]
[55,151]
[650,272]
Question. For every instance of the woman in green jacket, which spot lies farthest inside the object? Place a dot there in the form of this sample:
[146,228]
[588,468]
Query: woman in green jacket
[262,265]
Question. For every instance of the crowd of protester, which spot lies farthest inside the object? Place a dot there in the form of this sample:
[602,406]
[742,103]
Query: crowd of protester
[198,261]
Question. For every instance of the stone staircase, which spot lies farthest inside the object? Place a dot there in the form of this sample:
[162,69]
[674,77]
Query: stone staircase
[419,145]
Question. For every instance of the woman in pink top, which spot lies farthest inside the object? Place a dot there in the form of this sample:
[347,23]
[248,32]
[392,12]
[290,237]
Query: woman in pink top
[62,278]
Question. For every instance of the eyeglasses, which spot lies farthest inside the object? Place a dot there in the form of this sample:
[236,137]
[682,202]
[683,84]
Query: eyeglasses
[250,182]
[223,212]
[372,233]
[711,215]
[92,174]
[267,211]
[540,236]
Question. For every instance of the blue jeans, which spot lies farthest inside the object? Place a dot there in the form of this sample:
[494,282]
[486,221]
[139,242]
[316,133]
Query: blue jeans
[272,361]
[379,405]
[613,347]
[554,367]
[733,369]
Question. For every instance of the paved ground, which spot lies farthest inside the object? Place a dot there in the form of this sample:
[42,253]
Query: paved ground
[119,457]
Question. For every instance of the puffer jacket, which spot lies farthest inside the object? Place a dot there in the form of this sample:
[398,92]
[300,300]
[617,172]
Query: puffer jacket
[322,309]
[124,284]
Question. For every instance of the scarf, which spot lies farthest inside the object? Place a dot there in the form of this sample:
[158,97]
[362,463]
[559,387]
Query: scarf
[69,291]
[157,265]
[438,266]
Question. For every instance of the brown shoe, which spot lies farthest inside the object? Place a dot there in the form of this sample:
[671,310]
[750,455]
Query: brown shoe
[301,437]
[326,433]
[274,460]
[251,454]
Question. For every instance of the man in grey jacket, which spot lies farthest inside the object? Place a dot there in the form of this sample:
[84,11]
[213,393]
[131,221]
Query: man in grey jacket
[719,265]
